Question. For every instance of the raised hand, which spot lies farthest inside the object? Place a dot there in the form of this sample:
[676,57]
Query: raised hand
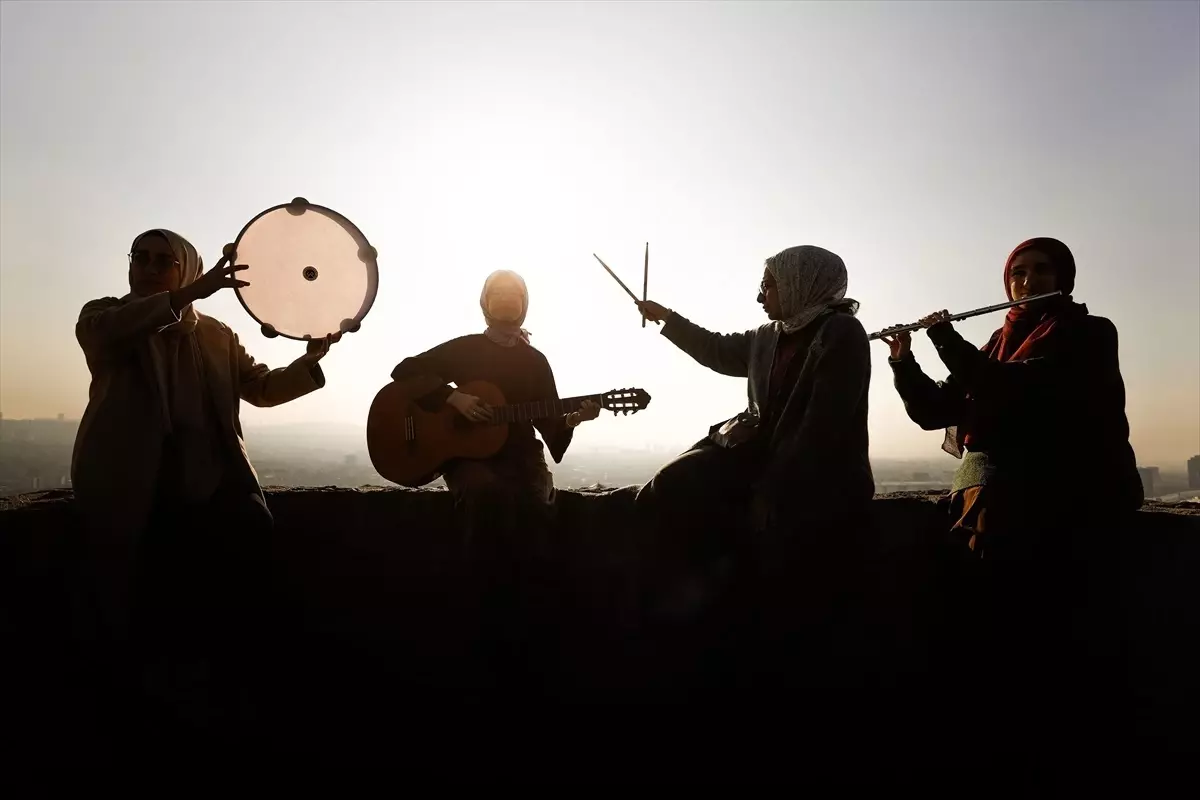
[899,343]
[221,276]
[653,311]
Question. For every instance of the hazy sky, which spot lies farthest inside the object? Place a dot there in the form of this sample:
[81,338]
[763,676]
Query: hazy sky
[920,141]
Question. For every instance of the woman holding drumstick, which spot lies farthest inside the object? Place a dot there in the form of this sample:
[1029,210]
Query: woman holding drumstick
[780,493]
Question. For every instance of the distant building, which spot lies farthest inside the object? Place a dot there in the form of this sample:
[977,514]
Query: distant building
[1194,472]
[1149,479]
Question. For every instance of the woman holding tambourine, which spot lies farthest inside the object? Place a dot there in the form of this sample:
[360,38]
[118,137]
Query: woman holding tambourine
[159,449]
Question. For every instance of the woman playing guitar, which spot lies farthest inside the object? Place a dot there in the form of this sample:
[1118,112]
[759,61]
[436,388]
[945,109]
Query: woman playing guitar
[515,483]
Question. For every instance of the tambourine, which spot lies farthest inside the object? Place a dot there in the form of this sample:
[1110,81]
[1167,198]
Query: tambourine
[311,271]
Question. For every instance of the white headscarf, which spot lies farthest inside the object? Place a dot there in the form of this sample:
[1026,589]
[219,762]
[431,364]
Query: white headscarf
[165,343]
[809,280]
[179,371]
[191,265]
[503,332]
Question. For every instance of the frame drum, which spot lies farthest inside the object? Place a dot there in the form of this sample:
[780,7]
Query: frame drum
[311,271]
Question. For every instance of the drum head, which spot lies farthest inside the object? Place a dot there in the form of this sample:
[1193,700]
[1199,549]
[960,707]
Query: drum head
[311,271]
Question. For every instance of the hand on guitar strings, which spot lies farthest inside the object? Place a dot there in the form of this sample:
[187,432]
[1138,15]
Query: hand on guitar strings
[653,311]
[470,406]
[588,410]
[318,348]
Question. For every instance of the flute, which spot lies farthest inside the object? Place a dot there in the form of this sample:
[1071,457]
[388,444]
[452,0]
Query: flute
[966,314]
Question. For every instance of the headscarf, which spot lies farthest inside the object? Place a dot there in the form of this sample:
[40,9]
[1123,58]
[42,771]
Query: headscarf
[191,265]
[195,470]
[1025,327]
[178,377]
[809,280]
[503,332]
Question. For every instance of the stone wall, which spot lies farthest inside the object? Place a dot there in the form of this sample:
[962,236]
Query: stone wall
[370,584]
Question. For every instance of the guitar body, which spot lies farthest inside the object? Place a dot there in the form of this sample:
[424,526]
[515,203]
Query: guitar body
[409,446]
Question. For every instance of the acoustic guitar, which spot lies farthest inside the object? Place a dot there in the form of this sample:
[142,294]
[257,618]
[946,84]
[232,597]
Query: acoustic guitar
[409,445]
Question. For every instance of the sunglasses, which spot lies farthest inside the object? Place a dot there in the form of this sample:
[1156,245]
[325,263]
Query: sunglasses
[160,261]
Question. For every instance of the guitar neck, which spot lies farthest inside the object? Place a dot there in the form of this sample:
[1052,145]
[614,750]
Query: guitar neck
[541,409]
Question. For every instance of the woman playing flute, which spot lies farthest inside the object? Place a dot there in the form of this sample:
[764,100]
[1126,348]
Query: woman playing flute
[1050,369]
[1048,476]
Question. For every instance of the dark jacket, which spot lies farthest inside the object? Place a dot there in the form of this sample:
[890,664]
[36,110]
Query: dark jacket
[1054,424]
[816,461]
[522,374]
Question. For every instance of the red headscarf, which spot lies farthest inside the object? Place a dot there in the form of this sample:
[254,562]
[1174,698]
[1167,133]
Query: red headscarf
[1024,327]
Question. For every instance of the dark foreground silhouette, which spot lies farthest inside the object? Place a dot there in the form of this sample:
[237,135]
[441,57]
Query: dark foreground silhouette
[358,630]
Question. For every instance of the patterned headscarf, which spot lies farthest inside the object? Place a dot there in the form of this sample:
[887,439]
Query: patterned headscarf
[502,332]
[810,280]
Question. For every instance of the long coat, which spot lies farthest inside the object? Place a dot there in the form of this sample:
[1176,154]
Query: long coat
[119,446]
[817,464]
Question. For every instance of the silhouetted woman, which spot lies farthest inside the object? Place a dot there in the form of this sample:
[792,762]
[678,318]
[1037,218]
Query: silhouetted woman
[159,468]
[1048,478]
[1037,414]
[492,492]
[504,502]
[783,490]
[802,459]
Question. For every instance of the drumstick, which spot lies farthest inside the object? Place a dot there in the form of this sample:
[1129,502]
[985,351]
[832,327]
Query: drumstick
[615,278]
[645,280]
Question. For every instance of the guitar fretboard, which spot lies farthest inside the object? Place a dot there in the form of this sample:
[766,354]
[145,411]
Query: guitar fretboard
[540,409]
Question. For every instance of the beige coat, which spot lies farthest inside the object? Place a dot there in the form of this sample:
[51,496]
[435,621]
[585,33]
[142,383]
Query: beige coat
[118,448]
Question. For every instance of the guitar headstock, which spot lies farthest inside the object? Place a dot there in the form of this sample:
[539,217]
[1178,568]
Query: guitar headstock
[625,401]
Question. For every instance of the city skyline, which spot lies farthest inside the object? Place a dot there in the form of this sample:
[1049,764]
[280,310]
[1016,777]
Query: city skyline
[336,455]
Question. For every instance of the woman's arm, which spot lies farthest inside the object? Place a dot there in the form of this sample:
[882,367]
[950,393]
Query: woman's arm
[726,353]
[109,322]
[1085,350]
[929,404]
[554,430]
[439,367]
[261,386]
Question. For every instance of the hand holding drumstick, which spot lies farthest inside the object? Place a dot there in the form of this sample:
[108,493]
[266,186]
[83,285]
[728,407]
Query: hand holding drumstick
[653,311]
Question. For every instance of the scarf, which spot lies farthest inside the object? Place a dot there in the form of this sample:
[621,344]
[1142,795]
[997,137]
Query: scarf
[194,464]
[1025,328]
[810,280]
[502,332]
